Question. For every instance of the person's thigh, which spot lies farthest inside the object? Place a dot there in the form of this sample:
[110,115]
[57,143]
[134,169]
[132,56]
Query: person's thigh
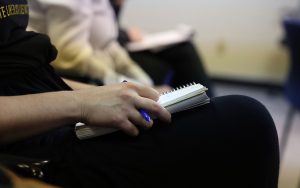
[185,59]
[231,142]
[155,67]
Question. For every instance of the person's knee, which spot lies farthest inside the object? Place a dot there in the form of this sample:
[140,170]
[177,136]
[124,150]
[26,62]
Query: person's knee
[249,122]
[247,114]
[260,136]
[254,110]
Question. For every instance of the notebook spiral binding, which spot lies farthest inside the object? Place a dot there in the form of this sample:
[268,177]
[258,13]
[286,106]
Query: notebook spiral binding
[177,88]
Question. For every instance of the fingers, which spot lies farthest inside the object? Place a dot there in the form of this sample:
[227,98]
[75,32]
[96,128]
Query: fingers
[146,98]
[162,89]
[129,128]
[137,102]
[144,91]
[137,119]
[130,121]
[153,108]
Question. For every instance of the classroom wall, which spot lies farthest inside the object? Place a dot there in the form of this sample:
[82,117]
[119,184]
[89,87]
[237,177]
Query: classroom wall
[238,39]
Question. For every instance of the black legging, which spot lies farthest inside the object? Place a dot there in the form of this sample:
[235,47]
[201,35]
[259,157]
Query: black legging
[182,59]
[231,142]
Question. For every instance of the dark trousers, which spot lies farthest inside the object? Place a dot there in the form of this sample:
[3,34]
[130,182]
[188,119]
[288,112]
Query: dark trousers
[231,142]
[182,60]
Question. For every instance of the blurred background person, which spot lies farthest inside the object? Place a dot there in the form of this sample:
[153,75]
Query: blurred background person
[182,58]
[85,34]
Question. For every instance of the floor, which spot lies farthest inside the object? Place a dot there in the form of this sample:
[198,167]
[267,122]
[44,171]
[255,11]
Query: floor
[278,107]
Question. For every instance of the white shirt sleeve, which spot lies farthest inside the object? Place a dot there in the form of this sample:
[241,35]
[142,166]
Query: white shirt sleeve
[68,27]
[69,24]
[125,65]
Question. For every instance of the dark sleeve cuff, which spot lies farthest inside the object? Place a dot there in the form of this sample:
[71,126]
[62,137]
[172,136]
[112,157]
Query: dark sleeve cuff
[123,37]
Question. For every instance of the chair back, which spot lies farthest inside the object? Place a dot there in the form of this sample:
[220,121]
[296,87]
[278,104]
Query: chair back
[292,86]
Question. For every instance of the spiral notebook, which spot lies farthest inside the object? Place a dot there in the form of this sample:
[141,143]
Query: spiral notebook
[179,99]
[160,40]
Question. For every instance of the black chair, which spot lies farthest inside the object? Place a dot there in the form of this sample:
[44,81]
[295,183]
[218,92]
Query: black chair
[26,167]
[292,85]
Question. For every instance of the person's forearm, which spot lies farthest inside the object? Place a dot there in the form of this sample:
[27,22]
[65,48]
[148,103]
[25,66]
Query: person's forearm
[27,115]
[77,85]
[126,66]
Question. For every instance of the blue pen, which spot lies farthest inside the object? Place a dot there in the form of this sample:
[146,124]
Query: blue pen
[145,115]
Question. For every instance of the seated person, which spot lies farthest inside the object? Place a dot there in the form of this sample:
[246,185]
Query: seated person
[183,58]
[231,142]
[85,34]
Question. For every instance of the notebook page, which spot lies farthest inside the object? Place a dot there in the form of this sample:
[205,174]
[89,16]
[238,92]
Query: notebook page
[181,94]
[157,40]
[190,103]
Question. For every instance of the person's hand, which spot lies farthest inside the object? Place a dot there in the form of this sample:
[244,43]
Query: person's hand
[116,106]
[135,34]
[162,88]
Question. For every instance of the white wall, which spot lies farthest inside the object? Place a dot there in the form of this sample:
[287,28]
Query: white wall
[237,38]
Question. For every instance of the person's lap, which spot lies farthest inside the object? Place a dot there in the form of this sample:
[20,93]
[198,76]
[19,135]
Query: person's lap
[230,141]
[182,59]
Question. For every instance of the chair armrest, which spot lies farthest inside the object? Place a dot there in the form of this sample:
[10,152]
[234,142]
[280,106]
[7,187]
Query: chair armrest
[26,167]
